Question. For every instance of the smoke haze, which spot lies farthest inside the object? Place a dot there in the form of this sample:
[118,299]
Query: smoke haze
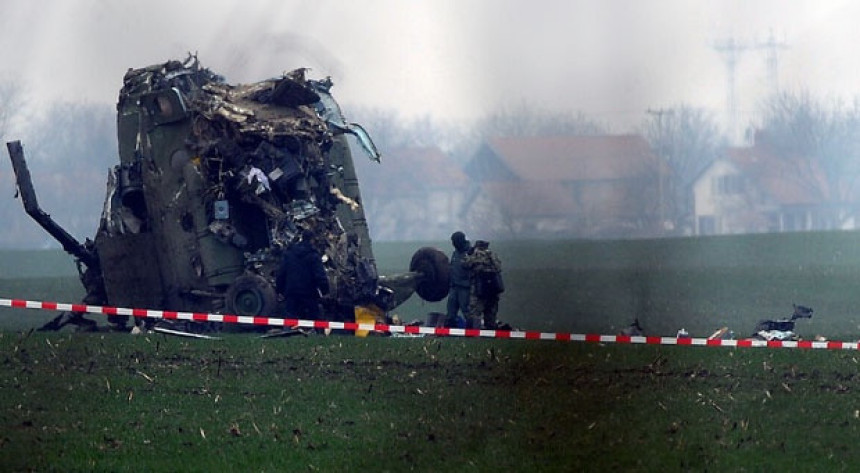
[452,60]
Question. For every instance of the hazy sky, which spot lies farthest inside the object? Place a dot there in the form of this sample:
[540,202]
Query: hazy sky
[452,59]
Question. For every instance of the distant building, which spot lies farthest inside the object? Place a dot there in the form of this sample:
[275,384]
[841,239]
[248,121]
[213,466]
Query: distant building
[414,194]
[572,186]
[749,190]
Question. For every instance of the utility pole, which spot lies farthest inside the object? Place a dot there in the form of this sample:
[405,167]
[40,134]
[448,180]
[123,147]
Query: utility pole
[662,160]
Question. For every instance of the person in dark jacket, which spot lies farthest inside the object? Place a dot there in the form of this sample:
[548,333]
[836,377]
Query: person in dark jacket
[458,294]
[301,279]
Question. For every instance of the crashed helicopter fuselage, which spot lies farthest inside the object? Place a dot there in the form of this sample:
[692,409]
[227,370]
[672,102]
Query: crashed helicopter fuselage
[214,181]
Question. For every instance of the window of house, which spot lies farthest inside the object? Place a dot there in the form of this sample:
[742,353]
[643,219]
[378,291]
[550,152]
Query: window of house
[707,225]
[821,221]
[730,184]
[794,221]
[772,221]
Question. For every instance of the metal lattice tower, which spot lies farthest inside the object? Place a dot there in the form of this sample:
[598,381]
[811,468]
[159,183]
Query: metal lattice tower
[772,48]
[731,50]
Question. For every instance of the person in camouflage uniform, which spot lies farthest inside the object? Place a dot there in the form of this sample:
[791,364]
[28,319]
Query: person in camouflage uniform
[482,305]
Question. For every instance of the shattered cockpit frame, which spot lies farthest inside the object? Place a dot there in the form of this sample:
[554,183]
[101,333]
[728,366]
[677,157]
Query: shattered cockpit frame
[215,180]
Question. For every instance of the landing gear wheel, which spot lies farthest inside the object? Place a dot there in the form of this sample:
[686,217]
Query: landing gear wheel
[250,295]
[435,270]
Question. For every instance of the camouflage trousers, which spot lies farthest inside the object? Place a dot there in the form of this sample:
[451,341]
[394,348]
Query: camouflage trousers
[482,309]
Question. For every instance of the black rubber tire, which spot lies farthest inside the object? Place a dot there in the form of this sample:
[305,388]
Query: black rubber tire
[435,270]
[251,295]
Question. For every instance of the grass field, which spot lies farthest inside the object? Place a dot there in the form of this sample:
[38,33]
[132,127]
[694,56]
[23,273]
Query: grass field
[113,402]
[700,284]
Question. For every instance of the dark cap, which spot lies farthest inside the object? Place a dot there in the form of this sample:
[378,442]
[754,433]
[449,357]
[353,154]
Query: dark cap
[482,244]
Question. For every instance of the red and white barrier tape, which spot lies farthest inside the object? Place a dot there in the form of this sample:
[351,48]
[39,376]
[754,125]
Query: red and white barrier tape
[417,330]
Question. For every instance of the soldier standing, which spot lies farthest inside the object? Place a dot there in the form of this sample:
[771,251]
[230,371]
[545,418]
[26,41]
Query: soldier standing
[486,278]
[458,294]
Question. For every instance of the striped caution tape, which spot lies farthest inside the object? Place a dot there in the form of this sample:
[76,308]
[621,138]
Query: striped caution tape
[418,330]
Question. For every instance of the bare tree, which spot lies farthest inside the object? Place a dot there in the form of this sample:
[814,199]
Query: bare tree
[820,143]
[393,191]
[390,130]
[524,120]
[688,139]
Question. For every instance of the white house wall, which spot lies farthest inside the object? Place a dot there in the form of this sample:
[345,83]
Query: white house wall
[707,203]
[745,211]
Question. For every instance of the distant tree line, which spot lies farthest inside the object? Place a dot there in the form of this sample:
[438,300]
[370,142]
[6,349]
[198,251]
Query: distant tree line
[817,139]
[71,146]
[811,136]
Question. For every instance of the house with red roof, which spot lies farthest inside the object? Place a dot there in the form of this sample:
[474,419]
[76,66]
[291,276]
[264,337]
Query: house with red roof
[413,194]
[581,186]
[751,190]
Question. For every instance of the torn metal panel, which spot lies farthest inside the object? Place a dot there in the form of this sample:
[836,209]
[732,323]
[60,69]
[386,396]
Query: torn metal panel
[330,111]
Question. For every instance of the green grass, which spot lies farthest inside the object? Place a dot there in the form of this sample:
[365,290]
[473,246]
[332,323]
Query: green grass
[111,402]
[28,264]
[54,289]
[700,284]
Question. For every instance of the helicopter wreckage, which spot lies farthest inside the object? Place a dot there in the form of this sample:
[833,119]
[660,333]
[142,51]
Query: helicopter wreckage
[214,182]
